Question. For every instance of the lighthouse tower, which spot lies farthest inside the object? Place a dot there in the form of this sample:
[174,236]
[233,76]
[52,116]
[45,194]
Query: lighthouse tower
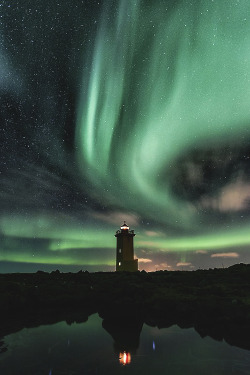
[125,250]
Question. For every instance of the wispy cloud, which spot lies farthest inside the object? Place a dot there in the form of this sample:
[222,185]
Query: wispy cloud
[201,252]
[233,197]
[162,266]
[184,264]
[225,255]
[144,260]
[151,233]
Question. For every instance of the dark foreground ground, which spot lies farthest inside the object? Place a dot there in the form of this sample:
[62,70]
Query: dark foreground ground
[215,302]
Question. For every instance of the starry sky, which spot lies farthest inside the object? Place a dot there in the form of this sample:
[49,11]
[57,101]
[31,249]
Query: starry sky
[132,110]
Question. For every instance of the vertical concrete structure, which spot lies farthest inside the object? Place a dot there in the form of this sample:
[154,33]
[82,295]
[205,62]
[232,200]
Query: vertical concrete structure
[125,250]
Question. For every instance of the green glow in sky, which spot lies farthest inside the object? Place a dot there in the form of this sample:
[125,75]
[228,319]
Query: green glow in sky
[57,231]
[161,136]
[219,240]
[163,81]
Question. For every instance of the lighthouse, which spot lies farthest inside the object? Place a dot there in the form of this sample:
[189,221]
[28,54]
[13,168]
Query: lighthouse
[125,250]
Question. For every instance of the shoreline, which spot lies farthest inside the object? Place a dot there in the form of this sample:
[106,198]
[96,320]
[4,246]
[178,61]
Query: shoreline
[215,302]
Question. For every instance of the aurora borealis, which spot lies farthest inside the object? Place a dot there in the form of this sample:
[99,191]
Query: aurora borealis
[119,110]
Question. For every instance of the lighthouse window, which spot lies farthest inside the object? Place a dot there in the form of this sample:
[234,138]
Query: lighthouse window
[120,250]
[120,263]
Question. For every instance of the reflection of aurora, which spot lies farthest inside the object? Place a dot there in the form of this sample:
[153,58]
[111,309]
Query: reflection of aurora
[163,83]
[161,140]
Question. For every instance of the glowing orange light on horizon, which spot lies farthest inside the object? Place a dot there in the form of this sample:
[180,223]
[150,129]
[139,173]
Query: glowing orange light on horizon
[125,358]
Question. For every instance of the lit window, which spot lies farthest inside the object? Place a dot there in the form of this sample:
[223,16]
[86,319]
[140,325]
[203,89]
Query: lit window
[120,263]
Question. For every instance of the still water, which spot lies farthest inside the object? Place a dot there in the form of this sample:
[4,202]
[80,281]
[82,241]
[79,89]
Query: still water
[87,348]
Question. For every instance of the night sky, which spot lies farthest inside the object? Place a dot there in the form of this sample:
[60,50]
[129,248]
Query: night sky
[116,110]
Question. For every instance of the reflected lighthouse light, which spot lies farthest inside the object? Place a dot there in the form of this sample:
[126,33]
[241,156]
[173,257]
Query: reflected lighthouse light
[125,358]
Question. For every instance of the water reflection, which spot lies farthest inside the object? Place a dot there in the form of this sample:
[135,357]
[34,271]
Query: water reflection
[125,333]
[87,348]
[125,358]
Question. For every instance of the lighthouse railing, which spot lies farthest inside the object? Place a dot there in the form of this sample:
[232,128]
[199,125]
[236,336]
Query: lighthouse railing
[126,231]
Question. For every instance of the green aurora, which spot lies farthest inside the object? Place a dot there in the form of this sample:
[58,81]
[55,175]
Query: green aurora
[161,139]
[186,88]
